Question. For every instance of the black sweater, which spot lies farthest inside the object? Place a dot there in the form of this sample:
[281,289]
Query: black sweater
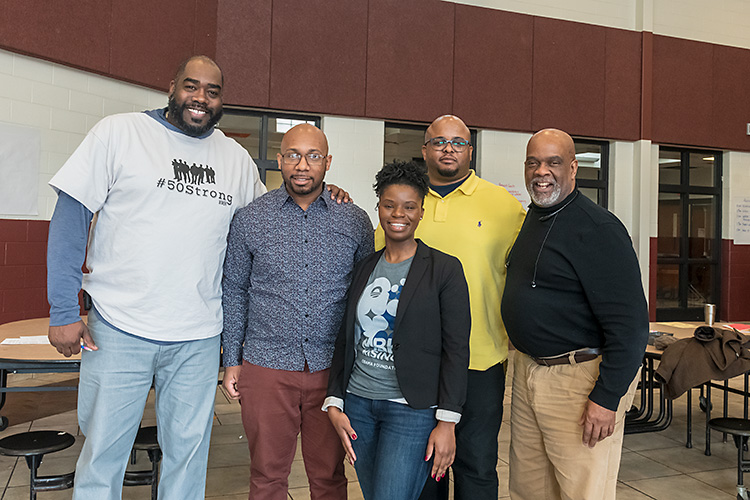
[574,282]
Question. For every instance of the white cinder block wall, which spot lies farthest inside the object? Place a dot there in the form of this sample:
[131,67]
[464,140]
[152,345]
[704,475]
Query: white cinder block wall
[63,104]
[357,149]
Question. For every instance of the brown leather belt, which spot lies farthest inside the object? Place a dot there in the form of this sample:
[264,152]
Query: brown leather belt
[580,356]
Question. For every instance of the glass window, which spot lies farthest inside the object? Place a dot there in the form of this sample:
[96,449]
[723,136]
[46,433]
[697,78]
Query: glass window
[593,163]
[702,231]
[668,286]
[244,129]
[670,223]
[261,134]
[689,230]
[702,169]
[404,142]
[670,167]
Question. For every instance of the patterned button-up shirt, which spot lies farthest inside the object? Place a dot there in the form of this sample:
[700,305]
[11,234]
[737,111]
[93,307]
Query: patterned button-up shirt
[286,275]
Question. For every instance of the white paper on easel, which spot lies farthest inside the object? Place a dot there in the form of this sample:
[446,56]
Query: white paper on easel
[20,150]
[741,209]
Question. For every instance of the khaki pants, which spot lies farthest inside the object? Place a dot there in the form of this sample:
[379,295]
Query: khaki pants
[547,457]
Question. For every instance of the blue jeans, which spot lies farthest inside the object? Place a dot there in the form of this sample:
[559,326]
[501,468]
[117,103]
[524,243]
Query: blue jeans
[112,392]
[390,447]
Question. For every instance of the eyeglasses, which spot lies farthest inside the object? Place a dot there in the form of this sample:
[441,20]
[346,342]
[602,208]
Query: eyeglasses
[313,159]
[440,143]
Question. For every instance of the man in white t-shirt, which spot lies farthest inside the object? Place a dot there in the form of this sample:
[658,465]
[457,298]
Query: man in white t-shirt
[164,186]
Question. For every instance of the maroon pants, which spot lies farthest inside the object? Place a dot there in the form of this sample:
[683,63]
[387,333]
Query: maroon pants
[277,405]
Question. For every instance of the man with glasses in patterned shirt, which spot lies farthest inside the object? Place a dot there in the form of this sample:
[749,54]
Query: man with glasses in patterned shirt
[289,261]
[477,222]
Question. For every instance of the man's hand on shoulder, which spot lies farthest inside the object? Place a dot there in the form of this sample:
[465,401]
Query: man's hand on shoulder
[339,194]
[67,339]
[598,423]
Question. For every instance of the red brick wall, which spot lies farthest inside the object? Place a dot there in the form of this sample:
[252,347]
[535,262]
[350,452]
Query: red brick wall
[23,269]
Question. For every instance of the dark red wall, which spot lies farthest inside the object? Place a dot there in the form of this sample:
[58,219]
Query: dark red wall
[735,281]
[700,95]
[409,61]
[139,41]
[23,272]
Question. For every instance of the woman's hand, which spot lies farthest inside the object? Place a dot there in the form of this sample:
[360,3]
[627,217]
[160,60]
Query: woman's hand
[443,443]
[344,429]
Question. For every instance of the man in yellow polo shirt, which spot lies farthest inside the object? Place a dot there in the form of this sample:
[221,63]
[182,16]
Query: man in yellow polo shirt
[477,222]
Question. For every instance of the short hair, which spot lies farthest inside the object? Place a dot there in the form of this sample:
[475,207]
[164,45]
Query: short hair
[407,173]
[183,65]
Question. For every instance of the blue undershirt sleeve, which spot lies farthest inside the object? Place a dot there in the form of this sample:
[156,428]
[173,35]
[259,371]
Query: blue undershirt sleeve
[66,251]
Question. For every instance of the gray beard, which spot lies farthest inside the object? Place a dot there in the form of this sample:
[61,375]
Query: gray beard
[547,200]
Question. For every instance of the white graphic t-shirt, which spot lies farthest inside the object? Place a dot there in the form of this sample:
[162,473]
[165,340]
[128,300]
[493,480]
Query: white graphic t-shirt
[374,374]
[163,203]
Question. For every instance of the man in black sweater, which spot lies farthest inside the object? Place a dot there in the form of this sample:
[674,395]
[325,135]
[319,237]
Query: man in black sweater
[575,310]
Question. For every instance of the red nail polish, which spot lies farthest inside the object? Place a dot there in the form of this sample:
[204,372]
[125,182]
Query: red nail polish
[354,436]
[438,479]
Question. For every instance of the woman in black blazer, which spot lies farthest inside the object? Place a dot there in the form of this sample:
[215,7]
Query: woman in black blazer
[398,376]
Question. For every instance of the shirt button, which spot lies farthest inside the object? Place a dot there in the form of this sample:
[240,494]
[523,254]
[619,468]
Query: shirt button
[307,315]
[305,241]
[306,340]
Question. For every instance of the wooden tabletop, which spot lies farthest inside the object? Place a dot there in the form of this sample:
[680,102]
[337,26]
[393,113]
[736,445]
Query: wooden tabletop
[29,352]
[680,330]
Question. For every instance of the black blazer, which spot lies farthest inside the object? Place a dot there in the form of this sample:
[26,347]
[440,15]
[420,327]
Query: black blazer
[430,336]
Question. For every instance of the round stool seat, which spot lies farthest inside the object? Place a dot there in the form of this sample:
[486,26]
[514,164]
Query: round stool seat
[35,443]
[736,426]
[146,439]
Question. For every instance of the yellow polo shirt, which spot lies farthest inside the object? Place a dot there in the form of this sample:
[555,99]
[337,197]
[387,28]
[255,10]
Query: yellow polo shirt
[477,223]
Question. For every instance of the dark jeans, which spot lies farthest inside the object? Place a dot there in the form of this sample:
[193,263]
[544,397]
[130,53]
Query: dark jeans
[390,447]
[475,466]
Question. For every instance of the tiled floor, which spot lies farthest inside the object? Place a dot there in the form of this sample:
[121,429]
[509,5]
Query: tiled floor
[654,466]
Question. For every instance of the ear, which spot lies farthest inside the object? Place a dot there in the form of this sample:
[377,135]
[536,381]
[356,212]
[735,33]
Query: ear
[278,159]
[424,152]
[171,88]
[329,159]
[574,168]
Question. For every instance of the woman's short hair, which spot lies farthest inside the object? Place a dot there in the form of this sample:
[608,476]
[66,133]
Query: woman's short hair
[407,173]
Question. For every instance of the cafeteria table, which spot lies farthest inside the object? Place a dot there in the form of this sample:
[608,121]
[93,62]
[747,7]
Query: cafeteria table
[30,358]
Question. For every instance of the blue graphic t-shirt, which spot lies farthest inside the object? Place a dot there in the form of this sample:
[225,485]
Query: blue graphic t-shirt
[374,374]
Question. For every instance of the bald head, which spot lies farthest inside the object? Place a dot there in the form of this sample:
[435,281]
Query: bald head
[562,139]
[202,60]
[452,121]
[303,162]
[550,167]
[447,163]
[308,134]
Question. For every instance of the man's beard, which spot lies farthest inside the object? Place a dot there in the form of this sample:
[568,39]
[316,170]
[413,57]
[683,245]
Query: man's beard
[544,200]
[176,112]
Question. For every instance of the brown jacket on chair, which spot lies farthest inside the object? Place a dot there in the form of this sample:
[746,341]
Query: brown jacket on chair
[711,354]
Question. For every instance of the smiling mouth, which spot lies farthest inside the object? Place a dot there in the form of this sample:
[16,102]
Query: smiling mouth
[541,185]
[399,226]
[197,113]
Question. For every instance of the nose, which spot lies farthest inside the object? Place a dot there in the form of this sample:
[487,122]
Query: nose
[303,164]
[397,211]
[200,95]
[449,145]
[543,169]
